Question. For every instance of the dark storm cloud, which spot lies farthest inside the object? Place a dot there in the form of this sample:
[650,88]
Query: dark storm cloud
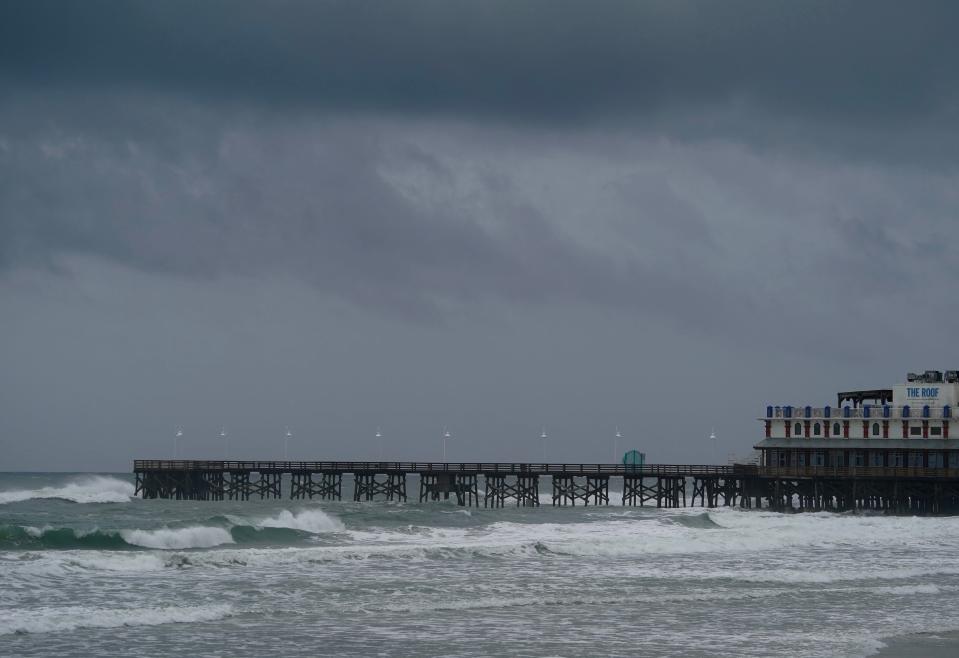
[860,61]
[597,213]
[312,199]
[207,139]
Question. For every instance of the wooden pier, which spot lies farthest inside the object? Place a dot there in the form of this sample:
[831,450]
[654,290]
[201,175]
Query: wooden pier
[892,490]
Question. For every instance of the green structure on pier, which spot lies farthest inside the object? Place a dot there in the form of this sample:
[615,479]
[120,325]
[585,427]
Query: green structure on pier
[634,458]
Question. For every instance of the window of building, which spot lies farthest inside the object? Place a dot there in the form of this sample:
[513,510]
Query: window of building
[875,458]
[817,429]
[797,429]
[915,459]
[953,459]
[801,458]
[836,429]
[895,459]
[782,458]
[875,429]
[857,459]
[819,458]
[915,431]
[935,460]
[935,431]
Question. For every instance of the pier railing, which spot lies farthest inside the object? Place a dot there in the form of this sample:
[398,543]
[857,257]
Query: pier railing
[532,468]
[687,470]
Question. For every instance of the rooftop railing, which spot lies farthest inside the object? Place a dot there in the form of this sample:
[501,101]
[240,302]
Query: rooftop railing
[869,412]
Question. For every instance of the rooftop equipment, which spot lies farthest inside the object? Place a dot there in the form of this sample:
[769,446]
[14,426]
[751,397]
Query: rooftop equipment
[933,376]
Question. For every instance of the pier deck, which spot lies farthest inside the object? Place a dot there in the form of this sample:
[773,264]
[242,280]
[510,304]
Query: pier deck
[898,490]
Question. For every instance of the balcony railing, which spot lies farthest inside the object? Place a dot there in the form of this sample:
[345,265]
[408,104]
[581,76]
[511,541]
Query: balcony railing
[869,412]
[859,471]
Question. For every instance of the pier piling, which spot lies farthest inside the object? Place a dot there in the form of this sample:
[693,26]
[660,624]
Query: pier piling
[889,490]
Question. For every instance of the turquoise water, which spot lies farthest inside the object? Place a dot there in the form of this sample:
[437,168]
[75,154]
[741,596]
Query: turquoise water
[88,571]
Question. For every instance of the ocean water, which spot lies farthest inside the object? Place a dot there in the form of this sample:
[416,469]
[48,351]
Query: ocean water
[86,570]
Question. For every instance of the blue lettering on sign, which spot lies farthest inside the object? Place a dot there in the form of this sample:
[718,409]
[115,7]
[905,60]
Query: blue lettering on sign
[917,392]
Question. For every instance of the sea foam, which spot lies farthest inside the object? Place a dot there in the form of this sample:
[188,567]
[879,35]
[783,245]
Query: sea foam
[312,520]
[178,538]
[92,489]
[52,619]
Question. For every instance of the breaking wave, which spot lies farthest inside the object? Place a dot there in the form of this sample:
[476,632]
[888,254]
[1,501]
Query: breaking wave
[62,538]
[53,619]
[313,521]
[178,538]
[92,489]
[285,528]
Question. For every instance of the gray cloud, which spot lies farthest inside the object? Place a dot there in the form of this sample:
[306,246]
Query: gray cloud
[423,218]
[341,212]
[308,199]
[864,61]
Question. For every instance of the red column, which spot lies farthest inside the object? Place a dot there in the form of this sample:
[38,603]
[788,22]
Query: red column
[865,429]
[945,429]
[806,427]
[905,429]
[925,429]
[845,429]
[885,429]
[789,428]
[769,426]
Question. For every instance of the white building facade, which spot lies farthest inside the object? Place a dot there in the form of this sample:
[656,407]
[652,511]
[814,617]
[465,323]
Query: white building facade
[908,425]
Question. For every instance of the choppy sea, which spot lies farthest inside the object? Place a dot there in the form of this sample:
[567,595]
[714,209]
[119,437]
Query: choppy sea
[87,570]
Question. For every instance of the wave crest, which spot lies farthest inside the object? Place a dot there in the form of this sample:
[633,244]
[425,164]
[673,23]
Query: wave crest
[178,538]
[52,619]
[284,528]
[313,521]
[92,489]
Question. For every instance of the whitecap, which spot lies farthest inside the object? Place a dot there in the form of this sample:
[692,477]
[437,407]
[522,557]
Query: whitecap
[91,489]
[50,619]
[310,520]
[178,538]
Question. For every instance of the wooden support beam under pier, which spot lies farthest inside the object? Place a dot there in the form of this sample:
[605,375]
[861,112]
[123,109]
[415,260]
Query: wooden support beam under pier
[887,490]
[323,485]
[522,488]
[567,489]
[366,486]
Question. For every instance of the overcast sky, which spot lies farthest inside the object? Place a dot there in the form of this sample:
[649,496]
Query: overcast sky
[491,216]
